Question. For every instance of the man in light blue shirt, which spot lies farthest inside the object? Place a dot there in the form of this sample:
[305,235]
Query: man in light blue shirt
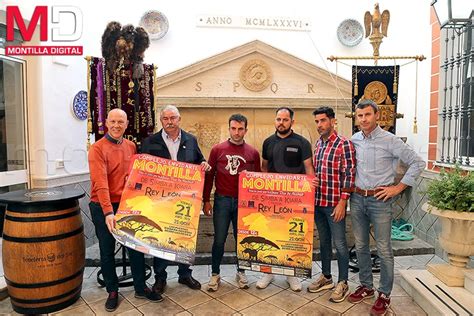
[377,154]
[172,144]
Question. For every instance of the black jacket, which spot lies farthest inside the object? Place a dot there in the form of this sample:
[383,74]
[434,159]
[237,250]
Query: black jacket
[188,151]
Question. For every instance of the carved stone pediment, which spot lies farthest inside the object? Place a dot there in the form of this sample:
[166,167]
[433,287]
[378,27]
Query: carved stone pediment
[225,76]
[253,79]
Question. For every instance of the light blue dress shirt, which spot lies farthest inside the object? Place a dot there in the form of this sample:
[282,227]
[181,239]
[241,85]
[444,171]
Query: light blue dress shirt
[173,145]
[377,156]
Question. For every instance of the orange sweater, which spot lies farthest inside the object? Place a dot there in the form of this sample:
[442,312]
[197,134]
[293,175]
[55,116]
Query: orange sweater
[109,166]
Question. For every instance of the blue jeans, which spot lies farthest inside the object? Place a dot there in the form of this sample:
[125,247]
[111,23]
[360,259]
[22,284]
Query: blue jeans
[107,253]
[329,230]
[224,212]
[365,211]
[160,265]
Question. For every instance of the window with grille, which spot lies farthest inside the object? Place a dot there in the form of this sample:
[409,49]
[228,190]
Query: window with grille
[456,96]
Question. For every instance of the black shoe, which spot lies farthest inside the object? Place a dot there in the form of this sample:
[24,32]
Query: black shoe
[191,282]
[150,295]
[159,286]
[112,301]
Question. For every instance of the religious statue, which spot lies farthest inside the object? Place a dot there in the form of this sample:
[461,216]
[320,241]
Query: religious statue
[124,46]
[376,26]
[122,80]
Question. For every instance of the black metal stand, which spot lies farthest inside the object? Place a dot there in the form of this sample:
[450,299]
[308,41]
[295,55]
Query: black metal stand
[354,263]
[125,278]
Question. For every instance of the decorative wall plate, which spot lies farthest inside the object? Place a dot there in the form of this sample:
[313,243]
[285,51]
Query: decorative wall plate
[79,105]
[155,23]
[350,32]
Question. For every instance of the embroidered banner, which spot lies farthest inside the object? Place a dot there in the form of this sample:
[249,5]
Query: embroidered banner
[160,207]
[118,90]
[275,223]
[380,84]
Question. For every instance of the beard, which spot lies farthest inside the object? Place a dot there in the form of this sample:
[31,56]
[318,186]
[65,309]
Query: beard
[323,132]
[283,131]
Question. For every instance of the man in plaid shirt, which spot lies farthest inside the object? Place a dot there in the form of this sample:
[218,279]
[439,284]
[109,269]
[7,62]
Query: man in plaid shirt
[334,164]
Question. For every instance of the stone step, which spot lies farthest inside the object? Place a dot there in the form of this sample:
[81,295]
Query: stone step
[469,280]
[400,248]
[433,296]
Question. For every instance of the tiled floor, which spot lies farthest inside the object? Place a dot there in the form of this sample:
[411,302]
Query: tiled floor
[275,300]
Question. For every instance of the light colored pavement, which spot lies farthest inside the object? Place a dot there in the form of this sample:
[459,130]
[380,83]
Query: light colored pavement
[275,300]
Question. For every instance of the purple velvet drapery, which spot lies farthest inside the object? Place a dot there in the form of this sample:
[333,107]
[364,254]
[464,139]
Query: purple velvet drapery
[118,90]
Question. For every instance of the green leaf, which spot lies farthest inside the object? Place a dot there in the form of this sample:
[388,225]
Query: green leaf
[453,190]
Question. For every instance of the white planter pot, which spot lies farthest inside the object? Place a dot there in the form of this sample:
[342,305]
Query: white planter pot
[457,239]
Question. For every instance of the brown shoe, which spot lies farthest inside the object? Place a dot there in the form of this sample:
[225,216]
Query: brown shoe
[340,293]
[191,282]
[152,296]
[159,286]
[320,284]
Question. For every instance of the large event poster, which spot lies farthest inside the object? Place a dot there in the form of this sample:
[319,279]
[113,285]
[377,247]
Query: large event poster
[275,224]
[160,207]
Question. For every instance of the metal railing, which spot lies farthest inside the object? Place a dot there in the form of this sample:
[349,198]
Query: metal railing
[456,93]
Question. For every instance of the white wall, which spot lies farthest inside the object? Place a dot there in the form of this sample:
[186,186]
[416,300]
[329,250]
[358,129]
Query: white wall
[409,34]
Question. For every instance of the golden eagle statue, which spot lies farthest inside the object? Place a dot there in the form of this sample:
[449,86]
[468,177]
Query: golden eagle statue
[376,26]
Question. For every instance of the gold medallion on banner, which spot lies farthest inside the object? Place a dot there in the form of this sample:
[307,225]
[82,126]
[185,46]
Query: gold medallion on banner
[255,75]
[376,91]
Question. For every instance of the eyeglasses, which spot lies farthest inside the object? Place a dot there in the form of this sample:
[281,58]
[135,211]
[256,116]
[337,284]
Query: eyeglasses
[171,118]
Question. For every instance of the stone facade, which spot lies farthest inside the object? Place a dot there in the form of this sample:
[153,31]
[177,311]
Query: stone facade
[253,79]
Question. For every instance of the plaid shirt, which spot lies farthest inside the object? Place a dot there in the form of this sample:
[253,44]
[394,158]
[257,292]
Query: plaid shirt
[334,164]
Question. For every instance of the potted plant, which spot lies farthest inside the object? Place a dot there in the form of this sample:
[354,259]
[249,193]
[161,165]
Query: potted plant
[451,198]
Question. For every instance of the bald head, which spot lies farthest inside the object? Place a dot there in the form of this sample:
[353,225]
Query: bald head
[118,112]
[116,123]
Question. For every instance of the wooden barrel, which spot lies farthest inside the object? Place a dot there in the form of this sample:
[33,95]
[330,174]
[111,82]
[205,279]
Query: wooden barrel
[43,249]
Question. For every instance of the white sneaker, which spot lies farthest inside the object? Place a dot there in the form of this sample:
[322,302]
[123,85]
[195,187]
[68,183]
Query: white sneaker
[295,283]
[264,281]
[241,279]
[214,283]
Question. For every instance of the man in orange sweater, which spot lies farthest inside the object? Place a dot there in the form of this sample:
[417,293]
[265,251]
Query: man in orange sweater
[109,160]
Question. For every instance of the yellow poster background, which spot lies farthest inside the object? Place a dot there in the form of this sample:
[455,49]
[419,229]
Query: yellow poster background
[275,223]
[160,207]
